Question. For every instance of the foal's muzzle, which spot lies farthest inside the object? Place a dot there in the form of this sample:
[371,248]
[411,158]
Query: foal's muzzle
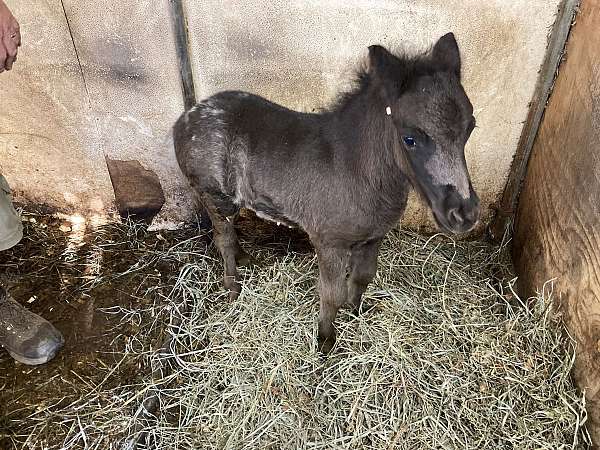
[456,214]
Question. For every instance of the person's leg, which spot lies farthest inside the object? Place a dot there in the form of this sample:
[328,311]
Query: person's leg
[11,228]
[27,337]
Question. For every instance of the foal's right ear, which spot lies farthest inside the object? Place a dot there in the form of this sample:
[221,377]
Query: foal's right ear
[445,52]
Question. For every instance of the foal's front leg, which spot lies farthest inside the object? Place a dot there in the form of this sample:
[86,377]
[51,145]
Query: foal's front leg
[363,266]
[333,291]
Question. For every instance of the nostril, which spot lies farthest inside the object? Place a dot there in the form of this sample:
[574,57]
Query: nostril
[455,217]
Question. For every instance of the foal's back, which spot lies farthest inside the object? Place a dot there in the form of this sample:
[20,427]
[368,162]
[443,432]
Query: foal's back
[230,125]
[246,151]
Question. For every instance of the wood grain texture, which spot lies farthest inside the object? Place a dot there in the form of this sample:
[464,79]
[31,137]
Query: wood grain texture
[557,229]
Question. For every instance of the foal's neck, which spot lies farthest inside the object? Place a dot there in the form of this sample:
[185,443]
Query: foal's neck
[369,141]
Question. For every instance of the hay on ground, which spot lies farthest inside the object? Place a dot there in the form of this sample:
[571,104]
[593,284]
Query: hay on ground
[445,356]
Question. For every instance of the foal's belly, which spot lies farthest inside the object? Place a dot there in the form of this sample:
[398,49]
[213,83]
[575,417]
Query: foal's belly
[276,218]
[266,209]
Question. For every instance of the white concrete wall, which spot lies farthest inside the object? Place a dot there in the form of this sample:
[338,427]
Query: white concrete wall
[301,53]
[53,135]
[58,120]
[49,150]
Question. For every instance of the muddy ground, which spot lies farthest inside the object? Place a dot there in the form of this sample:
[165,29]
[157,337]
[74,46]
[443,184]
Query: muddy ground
[97,284]
[113,290]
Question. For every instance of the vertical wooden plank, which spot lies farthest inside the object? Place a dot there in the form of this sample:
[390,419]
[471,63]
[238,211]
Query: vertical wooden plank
[558,218]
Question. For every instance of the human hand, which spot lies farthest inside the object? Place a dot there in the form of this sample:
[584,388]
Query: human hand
[10,38]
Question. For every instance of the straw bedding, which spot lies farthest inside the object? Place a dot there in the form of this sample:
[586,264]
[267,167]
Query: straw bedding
[445,356]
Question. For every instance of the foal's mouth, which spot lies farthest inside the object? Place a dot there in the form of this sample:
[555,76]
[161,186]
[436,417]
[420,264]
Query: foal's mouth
[458,219]
[453,213]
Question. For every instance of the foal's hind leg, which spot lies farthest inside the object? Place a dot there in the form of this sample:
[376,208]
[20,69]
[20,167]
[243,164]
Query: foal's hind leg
[333,291]
[226,241]
[363,266]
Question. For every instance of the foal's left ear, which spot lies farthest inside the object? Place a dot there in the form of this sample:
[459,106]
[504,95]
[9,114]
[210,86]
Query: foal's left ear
[379,60]
[385,70]
[445,52]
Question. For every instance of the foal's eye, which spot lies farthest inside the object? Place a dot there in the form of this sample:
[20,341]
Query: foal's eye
[409,141]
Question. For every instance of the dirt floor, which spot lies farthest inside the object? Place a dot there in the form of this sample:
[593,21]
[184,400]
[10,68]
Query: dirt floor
[112,290]
[98,284]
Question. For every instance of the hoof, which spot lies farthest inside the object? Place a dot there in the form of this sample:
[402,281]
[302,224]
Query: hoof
[233,286]
[233,295]
[325,345]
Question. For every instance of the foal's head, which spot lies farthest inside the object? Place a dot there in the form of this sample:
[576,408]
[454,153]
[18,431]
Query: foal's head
[433,119]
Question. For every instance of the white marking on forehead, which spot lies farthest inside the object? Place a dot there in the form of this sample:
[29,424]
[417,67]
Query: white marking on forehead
[388,110]
[449,171]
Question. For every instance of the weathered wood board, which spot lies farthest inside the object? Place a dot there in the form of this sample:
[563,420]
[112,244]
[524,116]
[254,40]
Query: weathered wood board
[557,224]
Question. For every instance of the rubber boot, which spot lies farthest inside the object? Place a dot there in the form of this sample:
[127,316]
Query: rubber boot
[11,228]
[29,338]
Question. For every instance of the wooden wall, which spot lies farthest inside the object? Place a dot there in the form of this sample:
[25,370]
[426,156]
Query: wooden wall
[557,224]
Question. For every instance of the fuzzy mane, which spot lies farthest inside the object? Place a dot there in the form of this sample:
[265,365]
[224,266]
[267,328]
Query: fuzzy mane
[401,74]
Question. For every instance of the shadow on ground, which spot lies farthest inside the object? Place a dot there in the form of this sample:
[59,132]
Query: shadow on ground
[100,285]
